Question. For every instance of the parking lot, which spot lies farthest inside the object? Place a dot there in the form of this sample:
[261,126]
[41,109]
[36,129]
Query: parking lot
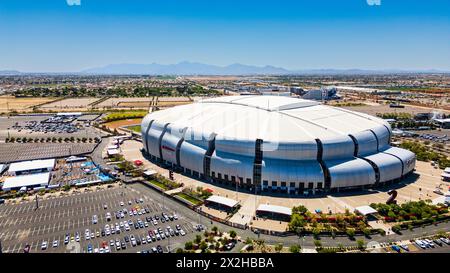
[23,224]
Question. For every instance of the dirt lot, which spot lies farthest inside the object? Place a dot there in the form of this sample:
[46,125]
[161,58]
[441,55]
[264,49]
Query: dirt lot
[375,108]
[125,102]
[72,103]
[120,123]
[20,104]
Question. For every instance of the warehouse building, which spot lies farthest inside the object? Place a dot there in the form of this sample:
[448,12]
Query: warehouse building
[33,166]
[26,181]
[275,143]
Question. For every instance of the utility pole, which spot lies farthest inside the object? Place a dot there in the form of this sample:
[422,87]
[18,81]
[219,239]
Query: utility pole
[37,202]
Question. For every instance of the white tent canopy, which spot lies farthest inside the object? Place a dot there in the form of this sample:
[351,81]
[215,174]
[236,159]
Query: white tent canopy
[365,210]
[274,209]
[222,200]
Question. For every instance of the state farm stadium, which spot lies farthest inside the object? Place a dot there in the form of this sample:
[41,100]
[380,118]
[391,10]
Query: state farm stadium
[276,144]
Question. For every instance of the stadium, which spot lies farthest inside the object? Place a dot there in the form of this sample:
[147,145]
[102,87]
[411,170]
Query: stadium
[274,143]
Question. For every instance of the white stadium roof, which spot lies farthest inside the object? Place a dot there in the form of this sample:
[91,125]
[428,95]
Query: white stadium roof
[274,209]
[39,179]
[272,118]
[32,165]
[222,200]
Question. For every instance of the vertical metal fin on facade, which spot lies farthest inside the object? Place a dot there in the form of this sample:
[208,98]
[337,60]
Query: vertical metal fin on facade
[355,142]
[378,142]
[326,172]
[389,133]
[160,140]
[178,148]
[374,166]
[257,163]
[145,137]
[208,154]
[401,161]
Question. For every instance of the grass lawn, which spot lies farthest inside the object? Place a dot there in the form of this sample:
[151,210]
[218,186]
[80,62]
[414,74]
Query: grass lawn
[159,184]
[189,198]
[125,115]
[135,128]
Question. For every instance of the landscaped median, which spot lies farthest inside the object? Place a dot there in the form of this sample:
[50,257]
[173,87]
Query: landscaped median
[192,200]
[318,224]
[412,214]
[162,184]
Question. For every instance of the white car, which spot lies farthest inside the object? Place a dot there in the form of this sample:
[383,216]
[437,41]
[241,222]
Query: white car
[175,217]
[127,227]
[122,204]
[182,232]
[44,245]
[55,243]
[429,242]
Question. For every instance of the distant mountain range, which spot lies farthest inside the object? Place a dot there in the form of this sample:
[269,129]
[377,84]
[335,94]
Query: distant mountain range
[186,68]
[193,68]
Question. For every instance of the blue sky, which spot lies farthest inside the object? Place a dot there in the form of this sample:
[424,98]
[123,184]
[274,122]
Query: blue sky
[52,36]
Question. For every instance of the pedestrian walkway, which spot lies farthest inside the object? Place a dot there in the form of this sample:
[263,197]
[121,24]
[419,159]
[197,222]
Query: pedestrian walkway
[246,212]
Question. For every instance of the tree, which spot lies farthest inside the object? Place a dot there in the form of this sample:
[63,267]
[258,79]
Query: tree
[188,245]
[350,232]
[318,243]
[179,250]
[198,239]
[316,232]
[215,229]
[301,210]
[361,244]
[294,249]
[278,247]
[203,246]
[233,234]
[297,221]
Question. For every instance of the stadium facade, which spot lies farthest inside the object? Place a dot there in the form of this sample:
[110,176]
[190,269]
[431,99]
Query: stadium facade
[276,143]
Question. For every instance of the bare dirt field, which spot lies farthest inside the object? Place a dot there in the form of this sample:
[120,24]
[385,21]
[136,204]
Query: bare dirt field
[374,108]
[20,104]
[72,103]
[120,123]
[126,102]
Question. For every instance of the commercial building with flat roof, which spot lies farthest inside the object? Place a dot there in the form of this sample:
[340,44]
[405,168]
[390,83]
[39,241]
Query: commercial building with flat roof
[275,143]
[19,168]
[29,181]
